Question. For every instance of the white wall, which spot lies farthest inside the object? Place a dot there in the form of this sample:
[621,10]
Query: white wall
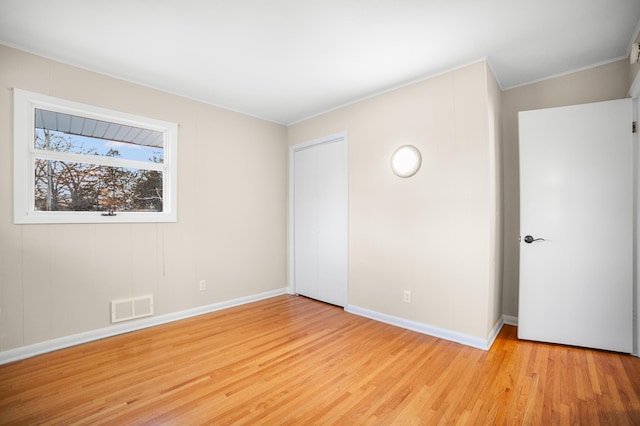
[437,233]
[57,280]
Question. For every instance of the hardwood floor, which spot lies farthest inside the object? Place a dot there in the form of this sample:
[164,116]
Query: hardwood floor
[291,360]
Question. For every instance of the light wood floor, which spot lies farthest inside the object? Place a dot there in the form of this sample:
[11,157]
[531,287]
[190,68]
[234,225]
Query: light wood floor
[291,360]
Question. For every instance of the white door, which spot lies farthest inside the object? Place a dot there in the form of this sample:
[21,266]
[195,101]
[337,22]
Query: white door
[576,204]
[320,220]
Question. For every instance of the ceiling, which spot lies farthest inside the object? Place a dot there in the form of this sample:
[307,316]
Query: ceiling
[286,60]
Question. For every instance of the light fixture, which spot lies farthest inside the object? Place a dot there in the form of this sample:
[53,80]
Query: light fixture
[635,53]
[405,161]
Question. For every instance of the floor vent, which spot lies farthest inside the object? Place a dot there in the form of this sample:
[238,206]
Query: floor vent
[127,309]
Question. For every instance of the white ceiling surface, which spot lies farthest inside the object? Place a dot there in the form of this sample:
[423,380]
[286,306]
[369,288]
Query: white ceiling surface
[286,60]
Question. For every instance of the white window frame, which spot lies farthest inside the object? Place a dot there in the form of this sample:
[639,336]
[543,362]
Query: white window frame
[25,104]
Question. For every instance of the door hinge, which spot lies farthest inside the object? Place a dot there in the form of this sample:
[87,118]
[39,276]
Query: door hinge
[634,127]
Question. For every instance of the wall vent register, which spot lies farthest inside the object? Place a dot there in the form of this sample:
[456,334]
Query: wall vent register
[131,308]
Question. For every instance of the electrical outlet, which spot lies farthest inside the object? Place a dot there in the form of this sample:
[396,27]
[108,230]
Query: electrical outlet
[203,285]
[406,297]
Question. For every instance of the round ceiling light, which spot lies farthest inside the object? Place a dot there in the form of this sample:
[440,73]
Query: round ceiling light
[406,161]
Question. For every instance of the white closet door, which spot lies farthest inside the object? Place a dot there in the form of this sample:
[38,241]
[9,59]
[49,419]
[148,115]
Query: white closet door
[306,223]
[320,221]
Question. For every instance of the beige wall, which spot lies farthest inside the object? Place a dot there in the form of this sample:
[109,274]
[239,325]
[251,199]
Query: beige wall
[495,148]
[57,280]
[634,69]
[600,83]
[435,233]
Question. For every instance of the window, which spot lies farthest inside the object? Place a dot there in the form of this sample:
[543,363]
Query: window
[77,163]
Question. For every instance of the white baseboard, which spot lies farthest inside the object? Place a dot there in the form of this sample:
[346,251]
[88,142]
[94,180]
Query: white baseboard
[465,339]
[121,328]
[510,320]
[494,333]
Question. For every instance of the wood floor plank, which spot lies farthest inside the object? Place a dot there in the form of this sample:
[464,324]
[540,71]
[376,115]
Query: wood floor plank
[292,360]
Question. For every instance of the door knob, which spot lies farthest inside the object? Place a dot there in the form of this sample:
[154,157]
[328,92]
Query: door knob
[529,239]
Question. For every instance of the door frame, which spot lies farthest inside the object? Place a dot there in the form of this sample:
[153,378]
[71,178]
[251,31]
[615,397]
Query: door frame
[636,221]
[634,93]
[291,288]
